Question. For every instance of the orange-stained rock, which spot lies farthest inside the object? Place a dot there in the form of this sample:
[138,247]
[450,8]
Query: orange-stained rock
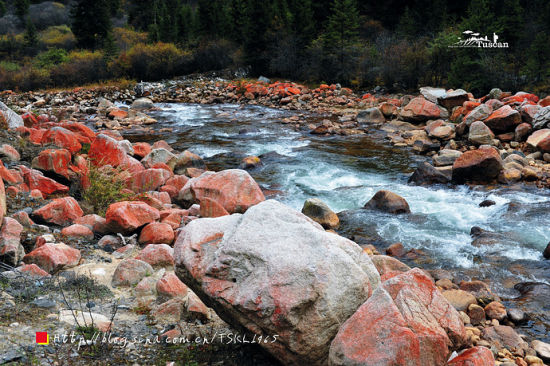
[420,110]
[77,231]
[170,190]
[9,175]
[9,153]
[63,138]
[476,356]
[60,211]
[156,233]
[53,257]
[141,149]
[234,190]
[545,102]
[177,181]
[483,164]
[54,161]
[147,180]
[157,255]
[36,180]
[127,216]
[504,119]
[388,267]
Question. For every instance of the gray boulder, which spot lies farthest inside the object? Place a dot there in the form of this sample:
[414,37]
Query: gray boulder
[371,115]
[479,113]
[273,270]
[142,103]
[542,118]
[480,134]
[13,120]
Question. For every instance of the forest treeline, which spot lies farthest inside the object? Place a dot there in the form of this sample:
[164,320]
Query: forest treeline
[394,44]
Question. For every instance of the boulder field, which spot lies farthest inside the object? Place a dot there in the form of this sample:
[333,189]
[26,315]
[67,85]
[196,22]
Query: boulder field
[196,246]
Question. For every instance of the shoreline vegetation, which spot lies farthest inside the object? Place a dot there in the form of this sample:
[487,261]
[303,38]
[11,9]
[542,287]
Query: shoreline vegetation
[392,46]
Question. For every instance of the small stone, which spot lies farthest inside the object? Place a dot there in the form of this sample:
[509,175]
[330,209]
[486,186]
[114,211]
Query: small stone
[487,203]
[546,253]
[495,310]
[459,299]
[517,316]
[542,349]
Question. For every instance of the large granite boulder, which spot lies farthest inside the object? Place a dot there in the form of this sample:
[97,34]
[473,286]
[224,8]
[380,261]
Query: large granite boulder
[272,270]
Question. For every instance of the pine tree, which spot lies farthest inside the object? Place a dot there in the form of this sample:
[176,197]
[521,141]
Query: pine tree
[239,20]
[2,8]
[21,8]
[30,36]
[302,20]
[91,22]
[186,22]
[110,48]
[343,24]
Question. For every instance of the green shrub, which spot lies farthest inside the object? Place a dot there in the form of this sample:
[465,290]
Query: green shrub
[106,187]
[52,57]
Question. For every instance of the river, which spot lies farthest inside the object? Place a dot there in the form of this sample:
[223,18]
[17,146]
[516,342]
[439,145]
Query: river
[345,172]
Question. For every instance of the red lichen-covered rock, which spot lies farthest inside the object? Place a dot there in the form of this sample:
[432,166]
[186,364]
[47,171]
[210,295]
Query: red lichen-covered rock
[36,180]
[157,255]
[420,110]
[35,193]
[127,216]
[544,145]
[32,270]
[9,153]
[10,176]
[54,161]
[105,150]
[170,190]
[476,356]
[3,205]
[141,149]
[178,181]
[53,257]
[83,133]
[11,250]
[170,286]
[94,222]
[173,218]
[118,113]
[60,211]
[63,138]
[23,218]
[276,282]
[234,190]
[388,267]
[147,180]
[130,271]
[406,321]
[77,231]
[483,164]
[156,233]
[504,119]
[211,208]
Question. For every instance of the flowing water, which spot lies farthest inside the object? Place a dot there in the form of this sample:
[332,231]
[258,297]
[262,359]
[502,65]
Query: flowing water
[345,172]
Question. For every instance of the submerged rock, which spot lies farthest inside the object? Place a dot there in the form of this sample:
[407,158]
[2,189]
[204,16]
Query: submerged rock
[273,270]
[388,202]
[427,174]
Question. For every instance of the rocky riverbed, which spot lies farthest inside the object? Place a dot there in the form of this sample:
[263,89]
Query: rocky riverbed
[132,215]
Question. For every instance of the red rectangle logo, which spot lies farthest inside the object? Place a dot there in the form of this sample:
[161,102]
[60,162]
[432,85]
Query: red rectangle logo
[42,338]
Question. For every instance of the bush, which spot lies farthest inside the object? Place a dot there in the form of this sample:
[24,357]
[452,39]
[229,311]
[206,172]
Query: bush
[127,37]
[82,67]
[59,36]
[153,61]
[52,57]
[106,187]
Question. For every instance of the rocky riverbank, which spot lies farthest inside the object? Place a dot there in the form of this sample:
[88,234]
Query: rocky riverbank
[100,234]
